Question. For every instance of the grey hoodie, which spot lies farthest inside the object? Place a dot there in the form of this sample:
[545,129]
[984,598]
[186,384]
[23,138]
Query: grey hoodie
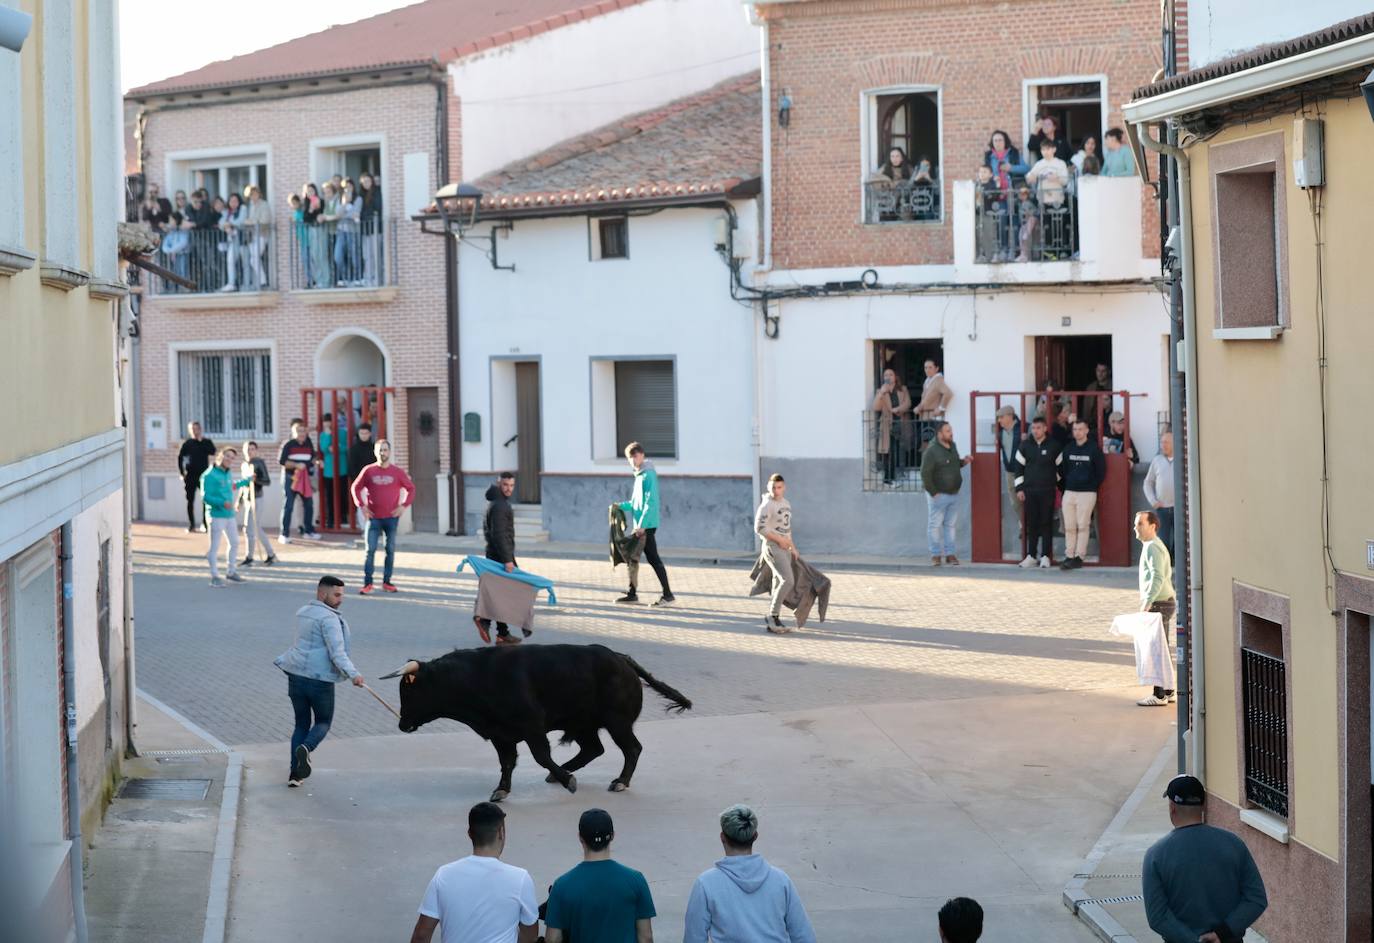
[744,899]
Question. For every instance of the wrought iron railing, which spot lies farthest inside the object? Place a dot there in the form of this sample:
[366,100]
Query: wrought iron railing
[237,258]
[893,462]
[904,202]
[1023,225]
[1265,704]
[342,255]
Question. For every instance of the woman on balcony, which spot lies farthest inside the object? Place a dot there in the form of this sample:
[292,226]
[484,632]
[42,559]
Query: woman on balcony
[330,214]
[371,220]
[231,223]
[892,403]
[1008,169]
[257,228]
[314,252]
[1088,160]
[347,270]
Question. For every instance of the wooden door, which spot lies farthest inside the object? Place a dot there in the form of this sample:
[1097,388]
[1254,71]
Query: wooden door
[424,456]
[1049,362]
[528,455]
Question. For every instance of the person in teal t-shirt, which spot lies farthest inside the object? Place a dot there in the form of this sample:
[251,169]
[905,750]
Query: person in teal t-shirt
[600,900]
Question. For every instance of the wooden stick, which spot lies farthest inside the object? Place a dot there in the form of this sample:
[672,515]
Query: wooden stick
[380,701]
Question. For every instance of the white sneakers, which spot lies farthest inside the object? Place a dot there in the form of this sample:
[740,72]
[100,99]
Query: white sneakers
[1044,563]
[1027,563]
[1153,701]
[283,539]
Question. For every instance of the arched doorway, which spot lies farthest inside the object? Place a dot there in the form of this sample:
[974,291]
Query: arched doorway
[351,357]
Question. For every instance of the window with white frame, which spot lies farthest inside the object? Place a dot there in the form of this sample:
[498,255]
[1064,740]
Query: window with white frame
[902,155]
[229,392]
[11,153]
[222,175]
[351,160]
[634,400]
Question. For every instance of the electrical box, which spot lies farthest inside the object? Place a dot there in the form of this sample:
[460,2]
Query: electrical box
[1307,153]
[472,427]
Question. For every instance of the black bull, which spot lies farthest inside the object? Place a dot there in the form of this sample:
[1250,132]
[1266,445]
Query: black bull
[509,695]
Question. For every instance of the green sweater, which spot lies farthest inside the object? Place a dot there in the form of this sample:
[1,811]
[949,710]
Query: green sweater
[218,487]
[1156,573]
[941,469]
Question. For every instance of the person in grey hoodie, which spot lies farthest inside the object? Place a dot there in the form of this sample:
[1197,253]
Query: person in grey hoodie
[773,525]
[744,899]
[317,662]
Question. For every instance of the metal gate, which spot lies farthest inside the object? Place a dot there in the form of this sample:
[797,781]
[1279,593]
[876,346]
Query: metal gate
[350,406]
[991,505]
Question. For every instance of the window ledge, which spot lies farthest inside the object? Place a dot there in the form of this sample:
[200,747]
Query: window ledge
[346,296]
[105,290]
[62,277]
[218,301]
[14,260]
[1267,333]
[1267,823]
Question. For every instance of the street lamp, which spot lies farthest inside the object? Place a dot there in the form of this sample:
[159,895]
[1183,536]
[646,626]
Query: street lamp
[456,201]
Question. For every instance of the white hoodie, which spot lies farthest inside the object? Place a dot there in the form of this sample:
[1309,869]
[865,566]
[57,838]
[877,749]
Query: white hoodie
[774,516]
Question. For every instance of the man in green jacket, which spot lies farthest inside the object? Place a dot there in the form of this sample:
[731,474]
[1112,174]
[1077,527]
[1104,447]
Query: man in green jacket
[218,487]
[942,474]
[642,510]
[1156,587]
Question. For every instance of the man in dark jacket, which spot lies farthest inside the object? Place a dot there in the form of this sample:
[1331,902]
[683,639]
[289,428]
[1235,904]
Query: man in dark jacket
[1008,440]
[942,475]
[498,526]
[1037,478]
[1084,468]
[192,461]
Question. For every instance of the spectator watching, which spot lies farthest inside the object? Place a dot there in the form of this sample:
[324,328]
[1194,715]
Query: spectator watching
[1117,161]
[961,920]
[600,899]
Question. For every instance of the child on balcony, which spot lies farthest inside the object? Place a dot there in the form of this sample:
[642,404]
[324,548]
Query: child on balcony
[1029,213]
[993,219]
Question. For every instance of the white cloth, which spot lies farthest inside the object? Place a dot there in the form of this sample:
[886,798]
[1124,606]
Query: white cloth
[1153,665]
[480,900]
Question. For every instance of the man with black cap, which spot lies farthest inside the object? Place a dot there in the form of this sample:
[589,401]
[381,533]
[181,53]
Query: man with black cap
[600,900]
[743,898]
[1200,883]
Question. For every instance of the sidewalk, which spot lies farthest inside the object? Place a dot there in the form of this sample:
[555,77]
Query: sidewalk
[1105,893]
[158,866]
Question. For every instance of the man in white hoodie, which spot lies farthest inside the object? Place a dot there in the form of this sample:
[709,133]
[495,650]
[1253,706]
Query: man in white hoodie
[773,524]
[743,898]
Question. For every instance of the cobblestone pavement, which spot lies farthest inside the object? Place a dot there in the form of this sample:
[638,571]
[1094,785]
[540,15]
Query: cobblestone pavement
[889,637]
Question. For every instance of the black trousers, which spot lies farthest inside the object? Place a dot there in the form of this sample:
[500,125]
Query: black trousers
[192,489]
[651,555]
[1040,523]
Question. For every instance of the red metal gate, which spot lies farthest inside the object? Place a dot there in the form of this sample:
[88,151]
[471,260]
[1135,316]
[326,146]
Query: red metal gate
[349,407]
[988,477]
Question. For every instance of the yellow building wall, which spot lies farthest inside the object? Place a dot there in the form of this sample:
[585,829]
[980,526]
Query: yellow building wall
[1260,441]
[58,348]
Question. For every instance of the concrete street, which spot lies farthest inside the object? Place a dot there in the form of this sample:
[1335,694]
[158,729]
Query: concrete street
[967,731]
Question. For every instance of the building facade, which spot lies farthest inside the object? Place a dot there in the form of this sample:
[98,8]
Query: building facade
[1274,207]
[64,641]
[866,273]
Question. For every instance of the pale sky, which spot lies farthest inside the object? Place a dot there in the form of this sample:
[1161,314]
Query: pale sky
[162,38]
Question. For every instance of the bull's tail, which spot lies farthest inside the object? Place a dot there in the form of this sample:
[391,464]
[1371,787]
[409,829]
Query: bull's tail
[679,701]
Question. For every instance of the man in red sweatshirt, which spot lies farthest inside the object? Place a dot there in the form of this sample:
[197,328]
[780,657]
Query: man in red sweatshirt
[381,492]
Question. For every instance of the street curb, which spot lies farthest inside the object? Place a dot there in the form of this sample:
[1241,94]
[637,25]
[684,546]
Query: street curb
[1076,897]
[226,832]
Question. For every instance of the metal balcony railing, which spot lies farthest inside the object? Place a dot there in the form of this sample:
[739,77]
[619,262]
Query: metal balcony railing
[904,202]
[893,463]
[343,255]
[1265,702]
[1020,225]
[237,258]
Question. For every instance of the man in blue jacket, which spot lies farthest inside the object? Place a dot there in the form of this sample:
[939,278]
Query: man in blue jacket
[317,662]
[642,510]
[1084,469]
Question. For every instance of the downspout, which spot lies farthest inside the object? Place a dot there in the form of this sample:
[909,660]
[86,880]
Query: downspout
[457,512]
[78,850]
[766,230]
[133,478]
[1190,371]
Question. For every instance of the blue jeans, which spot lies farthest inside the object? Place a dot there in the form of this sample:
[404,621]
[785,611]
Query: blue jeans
[1166,529]
[289,504]
[376,527]
[943,511]
[309,696]
[346,266]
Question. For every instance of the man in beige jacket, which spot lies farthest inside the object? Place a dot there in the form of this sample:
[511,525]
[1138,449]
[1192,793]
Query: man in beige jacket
[935,399]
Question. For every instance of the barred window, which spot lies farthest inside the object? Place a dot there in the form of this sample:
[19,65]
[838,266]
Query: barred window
[228,392]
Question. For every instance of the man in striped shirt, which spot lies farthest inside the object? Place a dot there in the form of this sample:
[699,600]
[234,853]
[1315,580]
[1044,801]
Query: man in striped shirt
[297,454]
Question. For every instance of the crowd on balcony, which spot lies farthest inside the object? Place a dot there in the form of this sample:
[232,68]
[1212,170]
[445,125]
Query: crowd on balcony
[899,190]
[1026,206]
[220,244]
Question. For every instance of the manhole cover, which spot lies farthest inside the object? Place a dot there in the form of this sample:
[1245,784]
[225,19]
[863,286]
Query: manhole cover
[191,790]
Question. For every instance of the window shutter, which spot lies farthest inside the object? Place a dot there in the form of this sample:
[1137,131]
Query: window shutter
[646,407]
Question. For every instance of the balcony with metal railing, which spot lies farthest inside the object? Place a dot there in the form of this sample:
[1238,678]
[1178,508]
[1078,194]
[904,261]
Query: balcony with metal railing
[902,202]
[339,262]
[220,261]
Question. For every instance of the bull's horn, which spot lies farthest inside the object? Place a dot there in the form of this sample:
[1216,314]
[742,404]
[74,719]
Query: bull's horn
[409,668]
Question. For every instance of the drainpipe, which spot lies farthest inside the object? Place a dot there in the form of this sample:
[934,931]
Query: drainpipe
[766,82]
[78,850]
[133,478]
[1190,371]
[457,512]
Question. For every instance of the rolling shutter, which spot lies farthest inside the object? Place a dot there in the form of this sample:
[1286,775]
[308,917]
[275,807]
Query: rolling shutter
[646,406]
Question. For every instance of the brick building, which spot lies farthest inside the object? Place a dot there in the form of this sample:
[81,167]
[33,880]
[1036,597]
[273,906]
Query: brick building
[418,97]
[866,274]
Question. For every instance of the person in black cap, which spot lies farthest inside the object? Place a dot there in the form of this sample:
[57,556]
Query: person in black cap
[1200,882]
[600,900]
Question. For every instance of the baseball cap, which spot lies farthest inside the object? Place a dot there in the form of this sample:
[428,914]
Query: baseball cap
[740,824]
[1117,416]
[1185,790]
[595,828]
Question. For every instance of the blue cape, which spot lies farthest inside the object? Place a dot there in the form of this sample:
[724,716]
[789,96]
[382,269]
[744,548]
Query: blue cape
[482,566]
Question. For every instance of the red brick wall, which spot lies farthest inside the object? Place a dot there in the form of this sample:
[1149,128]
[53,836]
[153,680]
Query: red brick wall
[411,326]
[826,54]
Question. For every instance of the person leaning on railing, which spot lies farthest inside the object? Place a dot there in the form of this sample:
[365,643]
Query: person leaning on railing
[257,230]
[371,220]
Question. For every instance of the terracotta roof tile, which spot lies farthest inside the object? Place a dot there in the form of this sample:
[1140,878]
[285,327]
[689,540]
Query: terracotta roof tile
[706,143]
[1262,55]
[430,31]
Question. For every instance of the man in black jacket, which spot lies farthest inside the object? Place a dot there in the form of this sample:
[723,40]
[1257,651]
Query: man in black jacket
[1037,478]
[1084,468]
[192,461]
[498,526]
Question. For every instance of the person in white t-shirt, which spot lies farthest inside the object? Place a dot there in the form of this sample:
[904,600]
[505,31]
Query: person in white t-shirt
[480,899]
